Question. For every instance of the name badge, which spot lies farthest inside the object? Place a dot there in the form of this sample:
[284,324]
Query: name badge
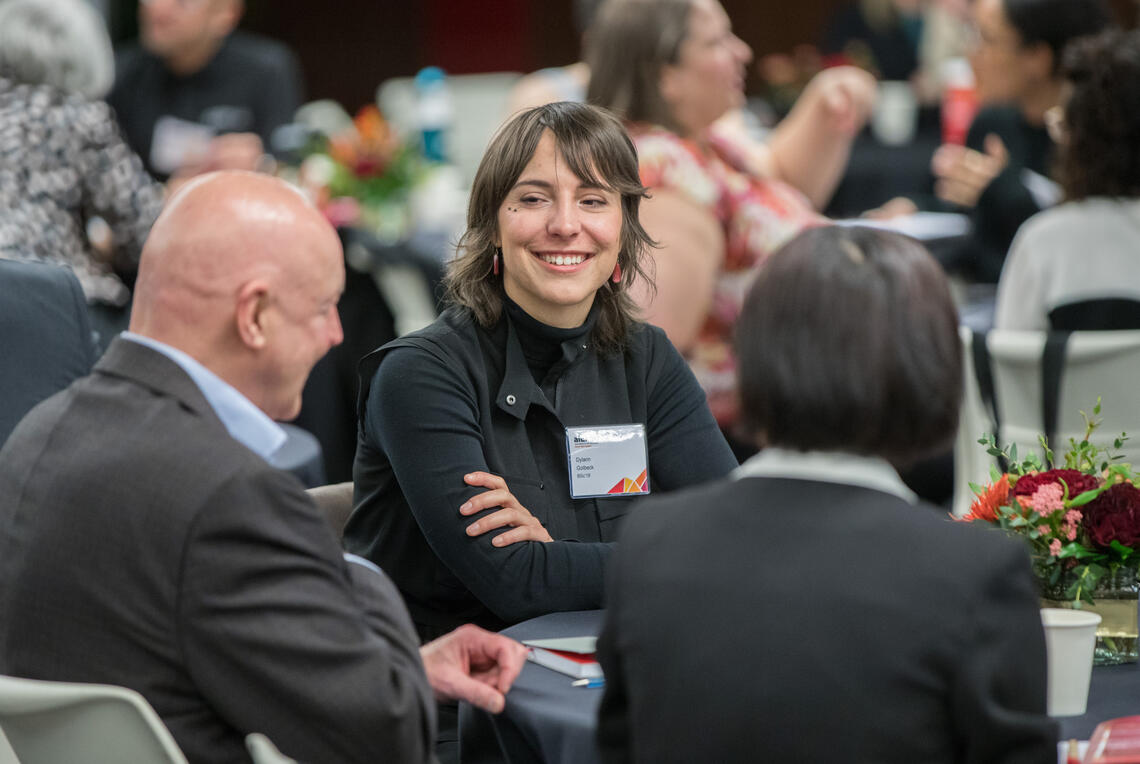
[607,461]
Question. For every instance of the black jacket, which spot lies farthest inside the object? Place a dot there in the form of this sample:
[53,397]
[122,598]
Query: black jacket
[455,398]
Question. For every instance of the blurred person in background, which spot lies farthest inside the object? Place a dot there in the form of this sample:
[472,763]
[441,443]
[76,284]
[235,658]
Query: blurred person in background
[906,40]
[789,151]
[673,69]
[195,95]
[1003,173]
[63,159]
[1076,266]
[812,596]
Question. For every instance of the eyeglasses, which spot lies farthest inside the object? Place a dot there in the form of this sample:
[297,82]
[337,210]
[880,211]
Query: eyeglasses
[183,4]
[1055,124]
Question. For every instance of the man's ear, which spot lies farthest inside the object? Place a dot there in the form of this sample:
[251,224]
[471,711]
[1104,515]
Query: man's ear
[1039,57]
[227,14]
[250,315]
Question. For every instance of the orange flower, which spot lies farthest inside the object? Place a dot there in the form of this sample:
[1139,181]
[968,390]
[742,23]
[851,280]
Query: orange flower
[985,506]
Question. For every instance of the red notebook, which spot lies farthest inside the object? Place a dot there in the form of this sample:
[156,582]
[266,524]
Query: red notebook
[1116,741]
[576,657]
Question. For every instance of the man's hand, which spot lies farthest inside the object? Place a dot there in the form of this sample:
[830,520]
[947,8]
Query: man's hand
[474,665]
[524,526]
[963,174]
[229,151]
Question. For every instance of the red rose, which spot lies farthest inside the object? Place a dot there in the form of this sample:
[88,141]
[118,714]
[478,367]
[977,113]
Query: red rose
[1115,514]
[1078,482]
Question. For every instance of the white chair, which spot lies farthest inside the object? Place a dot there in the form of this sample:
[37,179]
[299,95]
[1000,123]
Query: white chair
[61,722]
[1104,364]
[53,722]
[262,750]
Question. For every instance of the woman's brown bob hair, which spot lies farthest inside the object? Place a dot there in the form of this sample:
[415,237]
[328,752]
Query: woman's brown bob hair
[848,341]
[630,43]
[598,151]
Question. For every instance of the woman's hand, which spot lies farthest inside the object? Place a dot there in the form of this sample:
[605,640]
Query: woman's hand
[845,96]
[524,526]
[810,147]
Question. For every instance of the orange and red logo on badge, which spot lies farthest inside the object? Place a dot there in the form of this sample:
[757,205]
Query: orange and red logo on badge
[628,485]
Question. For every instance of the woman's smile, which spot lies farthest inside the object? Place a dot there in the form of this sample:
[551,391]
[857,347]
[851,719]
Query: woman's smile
[567,259]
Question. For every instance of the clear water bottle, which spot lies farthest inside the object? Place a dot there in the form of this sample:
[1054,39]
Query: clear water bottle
[433,112]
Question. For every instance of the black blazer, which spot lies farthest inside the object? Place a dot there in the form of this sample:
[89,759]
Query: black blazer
[141,545]
[783,620]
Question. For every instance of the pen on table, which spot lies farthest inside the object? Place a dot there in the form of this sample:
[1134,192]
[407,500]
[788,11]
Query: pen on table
[589,684]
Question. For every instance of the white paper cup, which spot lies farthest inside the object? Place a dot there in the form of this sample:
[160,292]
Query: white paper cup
[1070,638]
[895,115]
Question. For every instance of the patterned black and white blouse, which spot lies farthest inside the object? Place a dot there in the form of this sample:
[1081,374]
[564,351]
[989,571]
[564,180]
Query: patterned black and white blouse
[62,162]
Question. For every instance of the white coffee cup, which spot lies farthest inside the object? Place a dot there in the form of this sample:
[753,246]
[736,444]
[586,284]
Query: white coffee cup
[895,116]
[1070,638]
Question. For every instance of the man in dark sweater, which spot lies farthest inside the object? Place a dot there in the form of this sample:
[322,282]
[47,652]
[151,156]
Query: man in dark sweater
[191,77]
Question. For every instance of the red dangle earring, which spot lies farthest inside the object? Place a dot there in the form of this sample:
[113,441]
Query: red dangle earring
[616,278]
[495,263]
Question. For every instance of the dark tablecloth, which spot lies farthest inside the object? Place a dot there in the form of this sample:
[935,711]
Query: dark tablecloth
[1115,691]
[545,719]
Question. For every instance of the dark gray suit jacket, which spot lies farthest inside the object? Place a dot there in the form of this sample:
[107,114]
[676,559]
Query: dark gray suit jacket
[140,545]
[784,620]
[45,336]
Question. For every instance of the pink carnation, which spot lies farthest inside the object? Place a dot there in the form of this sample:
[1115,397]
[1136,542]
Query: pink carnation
[1044,530]
[1055,547]
[1047,498]
[1078,482]
[1073,516]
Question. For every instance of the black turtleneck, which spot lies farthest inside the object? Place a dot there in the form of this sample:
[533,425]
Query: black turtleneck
[541,343]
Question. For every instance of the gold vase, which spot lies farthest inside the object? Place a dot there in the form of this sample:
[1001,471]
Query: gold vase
[1115,600]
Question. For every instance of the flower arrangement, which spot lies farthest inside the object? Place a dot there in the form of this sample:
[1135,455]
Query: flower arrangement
[358,173]
[1081,520]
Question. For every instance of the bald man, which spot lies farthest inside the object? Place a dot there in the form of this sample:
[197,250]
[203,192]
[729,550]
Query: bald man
[191,77]
[146,542]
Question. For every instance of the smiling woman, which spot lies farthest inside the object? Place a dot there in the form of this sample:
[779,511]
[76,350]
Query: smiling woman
[464,491]
[559,239]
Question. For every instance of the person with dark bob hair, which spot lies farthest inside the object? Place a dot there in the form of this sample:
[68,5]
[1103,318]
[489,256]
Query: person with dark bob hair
[816,597]
[1074,267]
[1003,174]
[463,488]
[885,384]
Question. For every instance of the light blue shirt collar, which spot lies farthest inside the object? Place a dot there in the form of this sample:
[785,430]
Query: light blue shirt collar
[246,423]
[827,467]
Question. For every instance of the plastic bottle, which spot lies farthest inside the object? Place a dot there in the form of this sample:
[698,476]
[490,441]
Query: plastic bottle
[433,112]
[959,100]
